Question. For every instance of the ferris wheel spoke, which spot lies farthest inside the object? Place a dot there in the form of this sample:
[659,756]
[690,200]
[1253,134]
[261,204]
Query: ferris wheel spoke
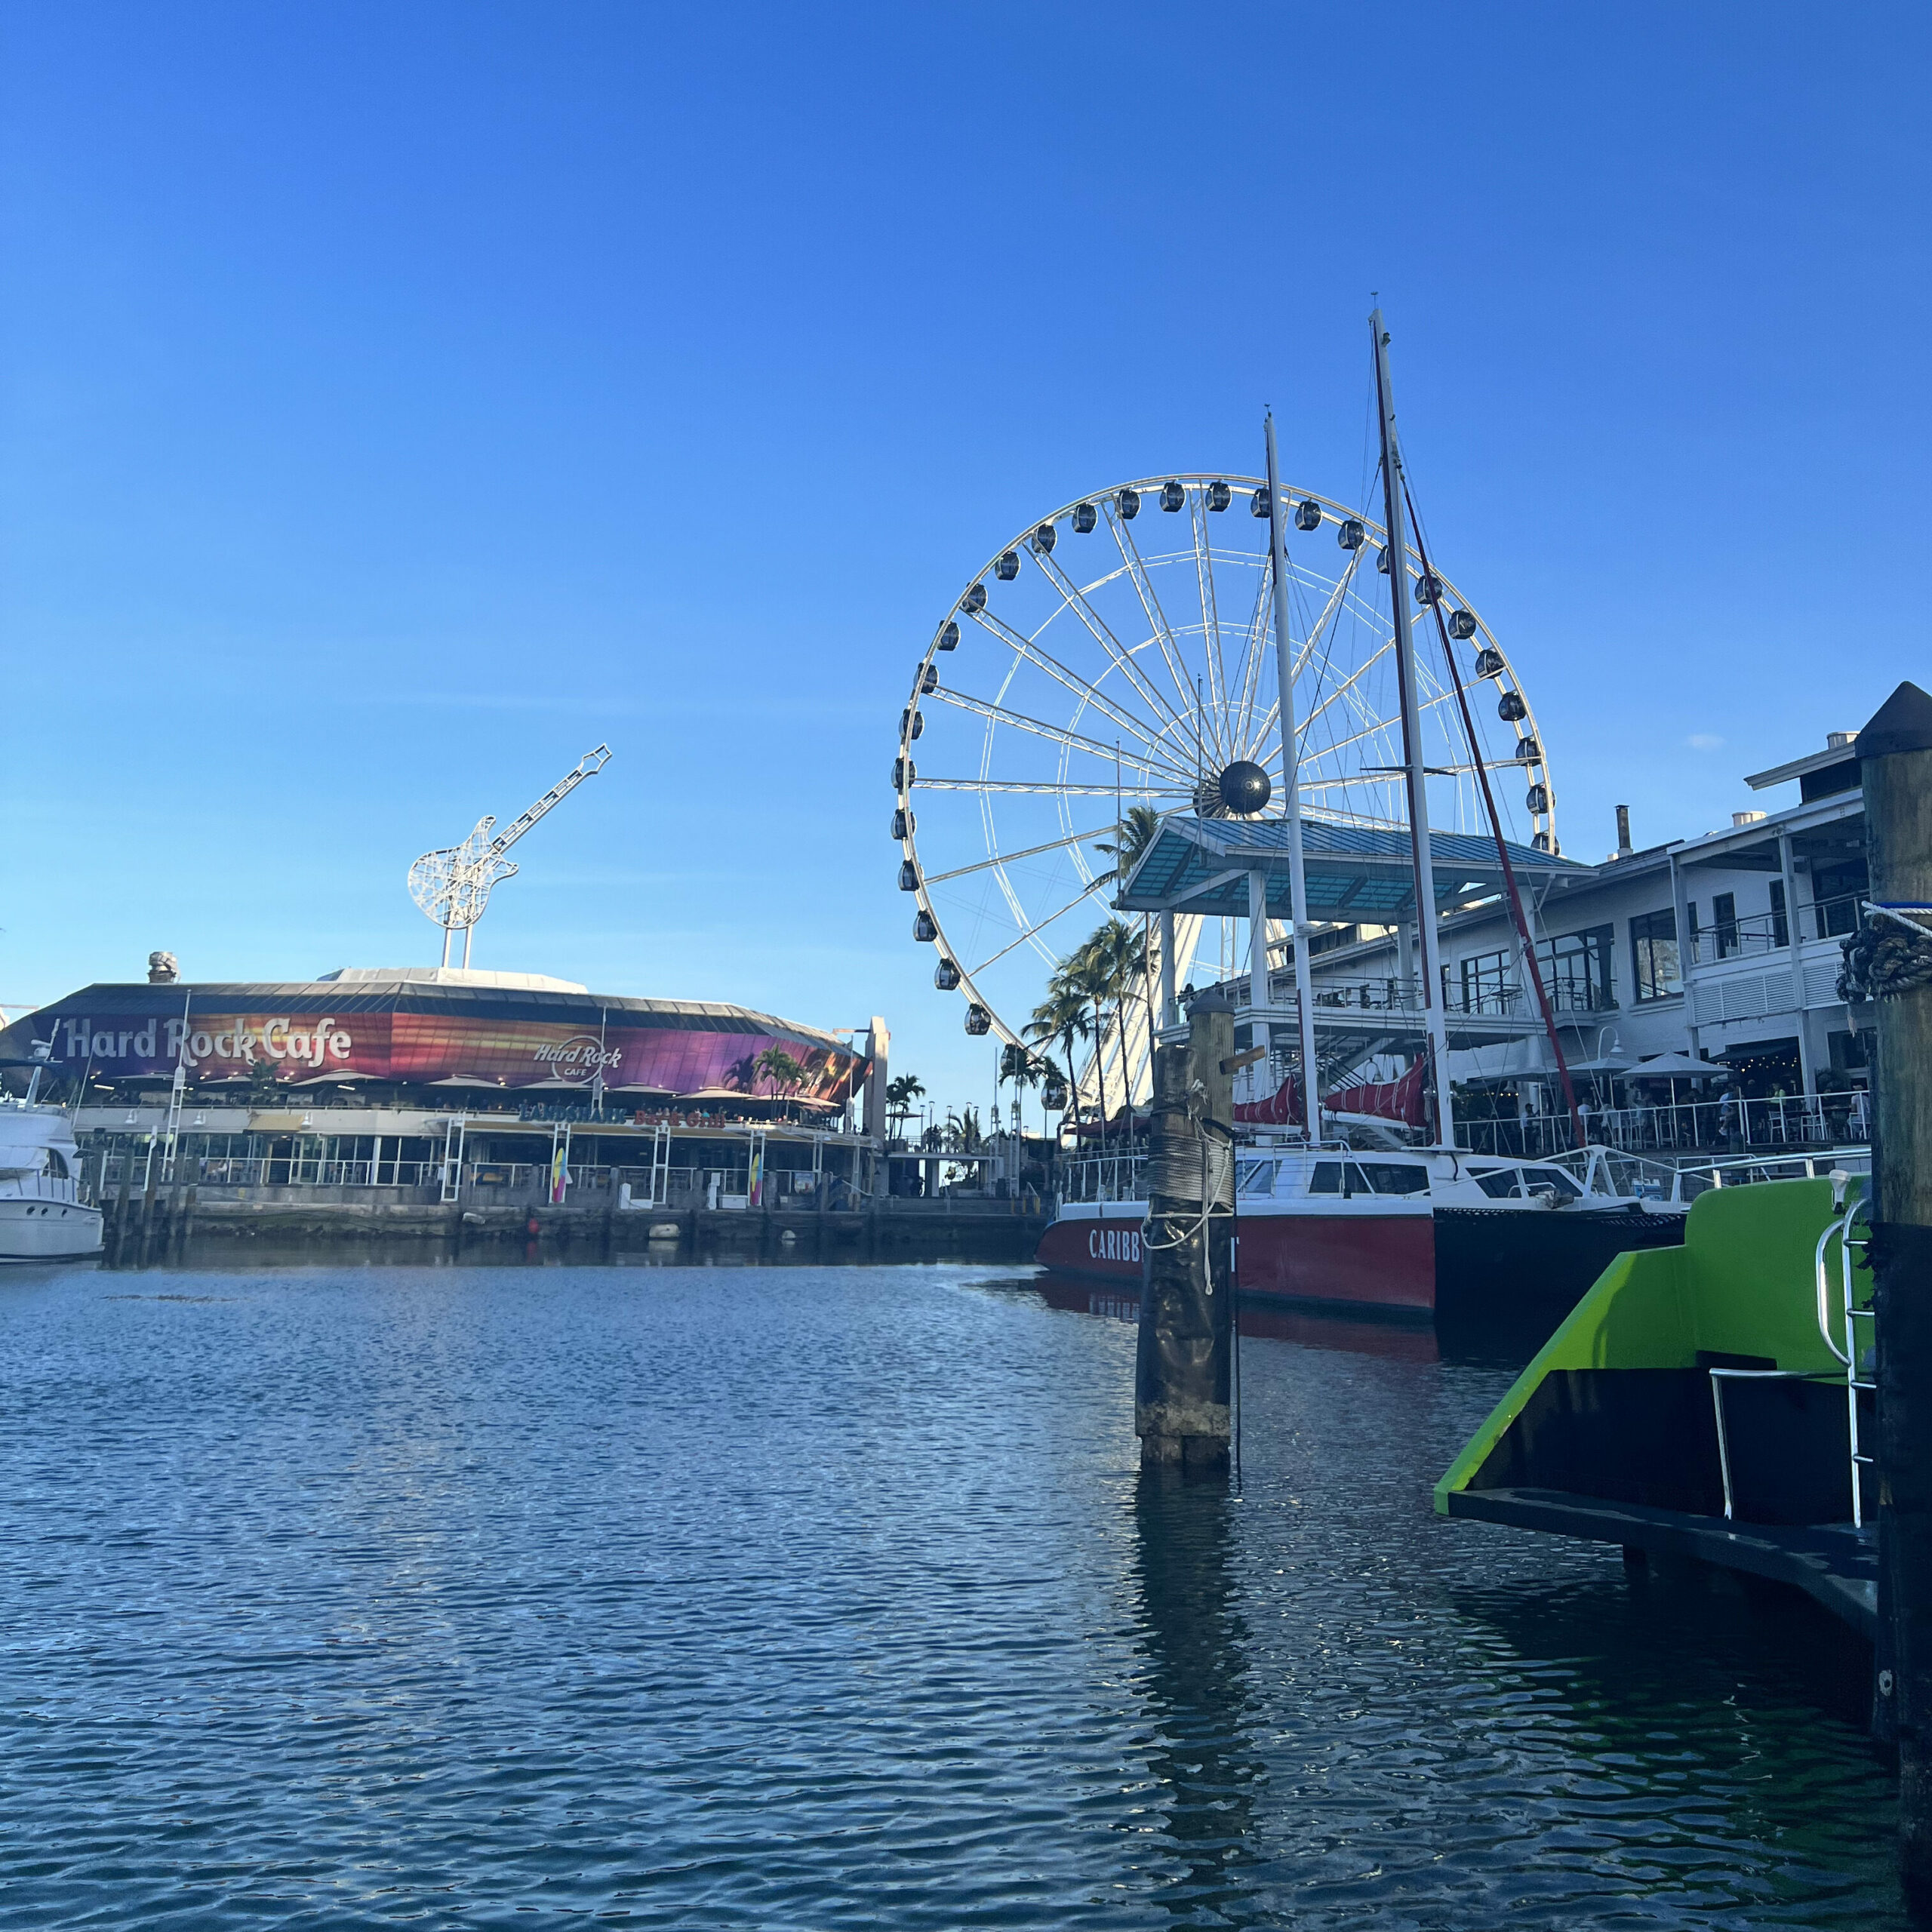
[1380,724]
[1031,852]
[1210,620]
[1330,611]
[1077,602]
[1033,932]
[1150,604]
[1051,788]
[1025,647]
[1158,766]
[1347,684]
[1252,652]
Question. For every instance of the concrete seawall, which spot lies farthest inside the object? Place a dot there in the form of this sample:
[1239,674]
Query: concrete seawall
[163,1227]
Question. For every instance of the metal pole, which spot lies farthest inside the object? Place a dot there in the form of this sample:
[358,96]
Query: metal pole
[1284,677]
[1167,970]
[1412,746]
[1895,758]
[1261,1033]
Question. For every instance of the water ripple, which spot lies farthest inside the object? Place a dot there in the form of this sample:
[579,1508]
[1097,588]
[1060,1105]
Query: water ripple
[831,1598]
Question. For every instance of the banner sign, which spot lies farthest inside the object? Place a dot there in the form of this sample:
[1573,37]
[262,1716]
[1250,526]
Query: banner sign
[218,1038]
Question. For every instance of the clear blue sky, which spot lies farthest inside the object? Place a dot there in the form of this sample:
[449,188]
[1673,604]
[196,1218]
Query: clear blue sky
[398,400]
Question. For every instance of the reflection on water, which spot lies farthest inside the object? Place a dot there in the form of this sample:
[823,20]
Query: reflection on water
[834,1597]
[1200,1757]
[1500,1337]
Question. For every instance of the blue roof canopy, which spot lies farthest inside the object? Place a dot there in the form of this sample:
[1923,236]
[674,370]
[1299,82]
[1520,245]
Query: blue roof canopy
[1357,874]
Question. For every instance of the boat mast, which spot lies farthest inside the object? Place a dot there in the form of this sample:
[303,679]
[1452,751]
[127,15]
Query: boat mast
[1291,785]
[1397,555]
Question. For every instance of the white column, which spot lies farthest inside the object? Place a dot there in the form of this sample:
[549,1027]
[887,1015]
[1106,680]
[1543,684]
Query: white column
[1167,990]
[1284,680]
[1793,933]
[1257,947]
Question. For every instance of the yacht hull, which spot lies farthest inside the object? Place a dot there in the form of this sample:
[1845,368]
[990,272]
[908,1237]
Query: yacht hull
[48,1231]
[1346,1256]
[1497,1257]
[1399,1259]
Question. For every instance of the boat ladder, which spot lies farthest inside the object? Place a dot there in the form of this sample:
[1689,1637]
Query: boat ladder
[1855,1357]
[660,1164]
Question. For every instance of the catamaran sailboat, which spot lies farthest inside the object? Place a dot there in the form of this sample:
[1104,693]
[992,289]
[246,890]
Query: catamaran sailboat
[1406,1231]
[1415,1226]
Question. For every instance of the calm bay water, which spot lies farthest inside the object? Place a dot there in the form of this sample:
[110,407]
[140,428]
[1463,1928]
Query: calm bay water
[827,1598]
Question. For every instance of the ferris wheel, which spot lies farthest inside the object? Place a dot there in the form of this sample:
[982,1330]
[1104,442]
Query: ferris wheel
[1115,659]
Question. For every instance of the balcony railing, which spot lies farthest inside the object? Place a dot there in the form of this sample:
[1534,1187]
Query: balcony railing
[1770,932]
[1802,1120]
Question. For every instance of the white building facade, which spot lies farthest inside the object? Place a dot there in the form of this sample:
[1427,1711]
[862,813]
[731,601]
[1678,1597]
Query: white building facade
[1722,949]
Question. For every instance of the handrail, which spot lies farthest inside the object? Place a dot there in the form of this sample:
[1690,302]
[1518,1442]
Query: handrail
[1833,1227]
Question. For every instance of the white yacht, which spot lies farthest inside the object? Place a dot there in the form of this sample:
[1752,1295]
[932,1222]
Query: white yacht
[42,1216]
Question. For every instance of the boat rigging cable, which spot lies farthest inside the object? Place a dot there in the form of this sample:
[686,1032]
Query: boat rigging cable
[1502,845]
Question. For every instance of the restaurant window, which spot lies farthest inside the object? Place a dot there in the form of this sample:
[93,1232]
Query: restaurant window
[1837,890]
[1780,925]
[1653,956]
[1485,983]
[1724,922]
[1575,970]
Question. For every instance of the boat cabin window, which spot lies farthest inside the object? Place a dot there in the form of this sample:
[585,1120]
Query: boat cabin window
[1369,1177]
[1566,1189]
[1255,1176]
[1498,1183]
[56,1165]
[1396,1176]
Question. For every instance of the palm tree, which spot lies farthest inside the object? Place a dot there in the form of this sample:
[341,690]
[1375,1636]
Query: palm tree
[1018,1065]
[1119,957]
[1088,974]
[1137,830]
[1060,1020]
[778,1066]
[900,1095]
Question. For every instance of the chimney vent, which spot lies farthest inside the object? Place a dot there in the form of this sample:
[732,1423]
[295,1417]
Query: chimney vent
[1840,741]
[1623,846]
[1746,818]
[164,969]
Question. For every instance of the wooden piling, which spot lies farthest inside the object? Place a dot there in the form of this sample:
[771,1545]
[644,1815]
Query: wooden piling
[1895,753]
[1181,1371]
[143,1252]
[120,1210]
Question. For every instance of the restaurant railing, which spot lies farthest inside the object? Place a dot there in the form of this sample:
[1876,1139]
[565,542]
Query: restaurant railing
[1757,933]
[1737,1127]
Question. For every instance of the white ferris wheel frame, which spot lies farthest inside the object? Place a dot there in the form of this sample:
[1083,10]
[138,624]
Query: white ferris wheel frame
[1023,648]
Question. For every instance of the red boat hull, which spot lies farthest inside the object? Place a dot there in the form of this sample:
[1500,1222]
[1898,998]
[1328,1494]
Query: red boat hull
[1354,1260]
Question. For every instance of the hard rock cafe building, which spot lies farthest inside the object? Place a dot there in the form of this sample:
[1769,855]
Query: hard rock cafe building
[497,1085]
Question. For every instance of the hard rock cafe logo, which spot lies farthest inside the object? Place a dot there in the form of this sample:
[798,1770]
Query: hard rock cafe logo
[577,1058]
[307,1043]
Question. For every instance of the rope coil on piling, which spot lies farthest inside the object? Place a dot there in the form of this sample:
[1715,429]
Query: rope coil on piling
[1888,957]
[1198,1171]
